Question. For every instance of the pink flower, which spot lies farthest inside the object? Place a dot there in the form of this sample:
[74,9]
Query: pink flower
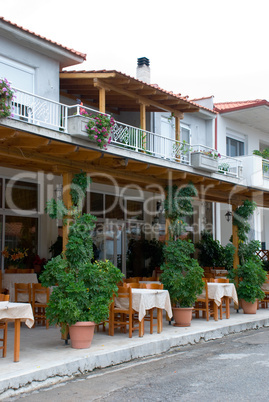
[99,140]
[109,140]
[95,136]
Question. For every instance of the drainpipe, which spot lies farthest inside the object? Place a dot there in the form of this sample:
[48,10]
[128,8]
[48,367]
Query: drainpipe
[216,133]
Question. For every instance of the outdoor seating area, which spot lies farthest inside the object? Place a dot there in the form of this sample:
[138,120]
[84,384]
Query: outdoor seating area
[53,359]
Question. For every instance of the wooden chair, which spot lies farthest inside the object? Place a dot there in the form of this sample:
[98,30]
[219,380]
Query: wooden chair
[203,303]
[3,326]
[121,317]
[263,303]
[23,292]
[133,285]
[225,300]
[39,304]
[151,278]
[150,313]
[131,280]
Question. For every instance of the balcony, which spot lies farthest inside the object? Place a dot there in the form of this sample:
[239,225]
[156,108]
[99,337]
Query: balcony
[48,114]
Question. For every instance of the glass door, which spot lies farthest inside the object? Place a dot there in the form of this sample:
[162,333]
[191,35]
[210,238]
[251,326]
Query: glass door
[108,240]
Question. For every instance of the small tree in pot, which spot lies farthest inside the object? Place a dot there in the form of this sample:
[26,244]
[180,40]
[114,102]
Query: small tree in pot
[251,276]
[182,275]
[84,289]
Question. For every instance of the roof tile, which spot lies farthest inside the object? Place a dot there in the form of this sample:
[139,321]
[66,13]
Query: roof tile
[83,55]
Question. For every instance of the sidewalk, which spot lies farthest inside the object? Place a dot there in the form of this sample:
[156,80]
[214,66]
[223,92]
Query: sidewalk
[46,360]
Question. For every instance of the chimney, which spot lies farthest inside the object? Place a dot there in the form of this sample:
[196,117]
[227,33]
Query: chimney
[143,70]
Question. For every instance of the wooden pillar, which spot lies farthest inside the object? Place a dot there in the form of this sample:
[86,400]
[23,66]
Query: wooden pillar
[235,241]
[177,137]
[67,180]
[102,100]
[167,224]
[177,128]
[143,124]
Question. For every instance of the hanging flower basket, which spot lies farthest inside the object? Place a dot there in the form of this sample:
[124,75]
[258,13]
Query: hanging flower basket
[6,96]
[99,129]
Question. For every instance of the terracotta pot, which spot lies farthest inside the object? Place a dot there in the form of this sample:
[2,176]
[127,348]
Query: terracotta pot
[81,334]
[249,308]
[37,268]
[182,316]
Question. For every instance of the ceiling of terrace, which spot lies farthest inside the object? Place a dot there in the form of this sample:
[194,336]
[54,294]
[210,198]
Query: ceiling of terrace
[25,151]
[123,93]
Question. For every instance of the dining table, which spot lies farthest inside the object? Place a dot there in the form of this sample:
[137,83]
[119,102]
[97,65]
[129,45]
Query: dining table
[17,312]
[146,299]
[9,280]
[217,291]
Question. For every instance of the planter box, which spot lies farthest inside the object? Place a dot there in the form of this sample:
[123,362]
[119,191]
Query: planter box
[204,162]
[76,126]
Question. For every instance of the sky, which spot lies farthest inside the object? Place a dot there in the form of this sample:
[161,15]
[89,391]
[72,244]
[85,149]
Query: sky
[197,48]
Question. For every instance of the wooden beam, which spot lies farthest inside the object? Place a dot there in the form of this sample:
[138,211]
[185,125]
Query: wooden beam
[91,75]
[141,99]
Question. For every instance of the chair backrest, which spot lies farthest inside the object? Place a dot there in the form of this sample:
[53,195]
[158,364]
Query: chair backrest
[134,279]
[24,290]
[125,292]
[205,280]
[4,297]
[209,275]
[40,294]
[152,285]
[134,285]
[151,278]
[220,280]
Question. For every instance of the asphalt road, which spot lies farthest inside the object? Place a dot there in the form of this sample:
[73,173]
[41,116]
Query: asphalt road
[235,368]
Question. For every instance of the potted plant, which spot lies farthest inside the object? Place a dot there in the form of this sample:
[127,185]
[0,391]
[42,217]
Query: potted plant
[15,258]
[38,263]
[205,160]
[249,277]
[182,275]
[84,289]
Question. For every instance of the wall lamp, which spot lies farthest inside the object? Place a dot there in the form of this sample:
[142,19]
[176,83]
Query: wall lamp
[228,216]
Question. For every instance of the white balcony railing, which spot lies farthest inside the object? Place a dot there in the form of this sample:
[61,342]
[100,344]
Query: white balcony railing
[40,111]
[46,113]
[265,168]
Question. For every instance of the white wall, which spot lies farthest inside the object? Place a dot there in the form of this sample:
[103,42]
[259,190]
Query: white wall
[46,70]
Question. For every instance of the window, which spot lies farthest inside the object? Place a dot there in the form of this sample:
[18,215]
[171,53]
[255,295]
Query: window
[135,210]
[21,195]
[234,147]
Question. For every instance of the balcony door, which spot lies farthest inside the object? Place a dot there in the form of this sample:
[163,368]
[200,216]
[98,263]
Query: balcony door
[165,146]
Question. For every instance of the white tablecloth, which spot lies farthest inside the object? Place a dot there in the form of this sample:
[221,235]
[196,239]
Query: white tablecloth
[218,290]
[10,279]
[12,311]
[145,299]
